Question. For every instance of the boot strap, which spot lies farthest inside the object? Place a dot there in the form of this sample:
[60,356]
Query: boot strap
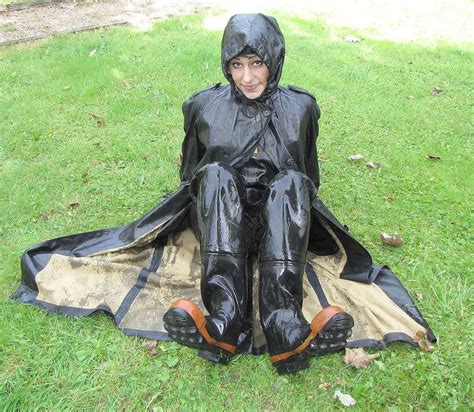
[317,324]
[196,314]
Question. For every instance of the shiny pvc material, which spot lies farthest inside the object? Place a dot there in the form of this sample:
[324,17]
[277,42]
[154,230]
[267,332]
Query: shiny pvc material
[222,233]
[285,213]
[220,210]
[317,325]
[261,34]
[282,261]
[271,142]
[220,125]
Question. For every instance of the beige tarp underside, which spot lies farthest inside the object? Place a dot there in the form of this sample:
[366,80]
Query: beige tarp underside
[106,278]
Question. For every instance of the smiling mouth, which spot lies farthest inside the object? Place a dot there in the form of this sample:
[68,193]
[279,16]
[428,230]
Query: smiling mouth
[250,88]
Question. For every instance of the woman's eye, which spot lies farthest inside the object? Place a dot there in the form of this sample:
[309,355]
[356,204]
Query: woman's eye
[257,63]
[236,65]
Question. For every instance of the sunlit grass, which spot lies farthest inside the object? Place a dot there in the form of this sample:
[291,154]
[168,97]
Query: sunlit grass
[376,99]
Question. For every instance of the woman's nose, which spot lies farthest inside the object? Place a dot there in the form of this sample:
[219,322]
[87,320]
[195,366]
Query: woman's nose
[247,75]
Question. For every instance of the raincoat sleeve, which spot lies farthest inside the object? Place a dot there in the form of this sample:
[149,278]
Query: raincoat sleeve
[311,161]
[192,149]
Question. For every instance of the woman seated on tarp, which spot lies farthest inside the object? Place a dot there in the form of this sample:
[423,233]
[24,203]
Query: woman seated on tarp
[250,155]
[249,192]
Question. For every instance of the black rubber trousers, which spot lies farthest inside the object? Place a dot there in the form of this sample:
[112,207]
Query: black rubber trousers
[230,230]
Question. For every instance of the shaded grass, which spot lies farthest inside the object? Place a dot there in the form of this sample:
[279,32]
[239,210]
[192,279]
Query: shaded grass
[54,154]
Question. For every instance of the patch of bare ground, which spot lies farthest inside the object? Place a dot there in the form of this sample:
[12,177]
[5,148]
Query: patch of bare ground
[65,16]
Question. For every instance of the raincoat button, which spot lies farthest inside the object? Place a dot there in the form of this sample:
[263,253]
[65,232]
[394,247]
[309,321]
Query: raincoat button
[290,162]
[266,113]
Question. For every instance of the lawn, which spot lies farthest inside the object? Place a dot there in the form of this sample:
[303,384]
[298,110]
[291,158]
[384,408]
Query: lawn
[90,130]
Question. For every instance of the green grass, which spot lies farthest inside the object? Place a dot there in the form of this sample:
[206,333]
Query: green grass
[53,154]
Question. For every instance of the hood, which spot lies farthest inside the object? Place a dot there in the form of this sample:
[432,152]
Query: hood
[260,33]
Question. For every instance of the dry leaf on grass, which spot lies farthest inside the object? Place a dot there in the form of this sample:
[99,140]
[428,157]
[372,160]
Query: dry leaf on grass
[373,165]
[419,296]
[128,84]
[345,398]
[341,382]
[356,157]
[394,240]
[436,91]
[92,53]
[351,39]
[100,119]
[74,205]
[433,157]
[359,358]
[150,346]
[325,386]
[423,342]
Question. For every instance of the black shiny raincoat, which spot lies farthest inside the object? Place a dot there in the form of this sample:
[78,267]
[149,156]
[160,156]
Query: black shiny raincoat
[133,272]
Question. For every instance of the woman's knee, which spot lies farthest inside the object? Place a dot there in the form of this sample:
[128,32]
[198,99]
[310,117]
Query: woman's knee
[216,176]
[291,184]
[288,178]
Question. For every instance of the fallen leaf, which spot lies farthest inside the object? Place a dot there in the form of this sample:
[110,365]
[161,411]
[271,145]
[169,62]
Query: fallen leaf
[150,346]
[380,365]
[359,358]
[389,198]
[423,342]
[66,87]
[96,115]
[344,398]
[45,215]
[411,97]
[100,119]
[341,382]
[433,157]
[128,84]
[394,240]
[74,205]
[146,158]
[310,397]
[325,386]
[356,157]
[351,39]
[206,66]
[436,91]
[92,53]
[432,178]
[419,296]
[158,113]
[172,362]
[373,165]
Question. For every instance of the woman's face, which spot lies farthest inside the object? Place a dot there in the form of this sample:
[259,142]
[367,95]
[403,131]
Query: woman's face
[250,74]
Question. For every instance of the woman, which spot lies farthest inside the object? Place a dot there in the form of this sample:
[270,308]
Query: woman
[263,254]
[253,184]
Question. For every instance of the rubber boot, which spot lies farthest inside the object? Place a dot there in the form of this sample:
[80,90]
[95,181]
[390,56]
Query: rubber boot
[282,259]
[224,289]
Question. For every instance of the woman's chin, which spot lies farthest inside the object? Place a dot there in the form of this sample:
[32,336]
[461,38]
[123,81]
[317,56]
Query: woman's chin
[252,94]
